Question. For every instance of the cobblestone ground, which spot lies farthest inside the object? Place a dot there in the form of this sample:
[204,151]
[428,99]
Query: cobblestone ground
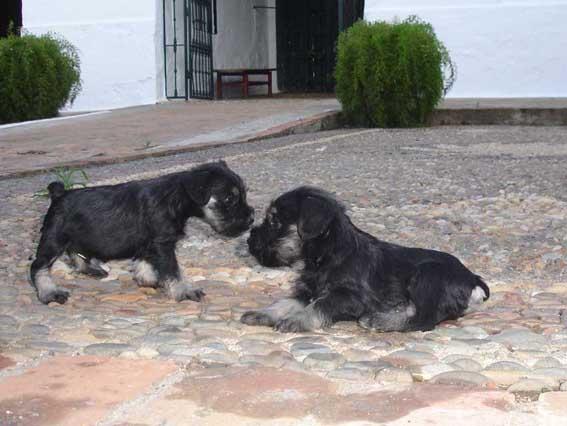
[493,196]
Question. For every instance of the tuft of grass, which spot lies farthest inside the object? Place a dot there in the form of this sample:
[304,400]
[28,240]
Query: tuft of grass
[69,177]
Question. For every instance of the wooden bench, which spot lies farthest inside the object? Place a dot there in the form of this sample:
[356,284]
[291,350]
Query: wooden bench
[244,81]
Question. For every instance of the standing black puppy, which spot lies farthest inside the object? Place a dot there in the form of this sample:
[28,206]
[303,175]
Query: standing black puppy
[349,275]
[142,220]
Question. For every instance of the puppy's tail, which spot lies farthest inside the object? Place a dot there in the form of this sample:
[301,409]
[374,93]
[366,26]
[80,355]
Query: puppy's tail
[56,190]
[480,282]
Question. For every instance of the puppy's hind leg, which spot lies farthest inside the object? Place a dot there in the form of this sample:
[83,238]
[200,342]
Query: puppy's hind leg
[396,319]
[440,292]
[47,252]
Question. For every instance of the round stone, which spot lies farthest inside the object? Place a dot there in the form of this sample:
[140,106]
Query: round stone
[547,362]
[257,347]
[8,322]
[372,366]
[323,361]
[275,359]
[359,355]
[506,366]
[108,349]
[394,375]
[148,353]
[344,373]
[34,330]
[200,323]
[463,378]
[302,349]
[405,358]
[553,376]
[520,339]
[530,386]
[216,358]
[421,373]
[466,364]
[48,345]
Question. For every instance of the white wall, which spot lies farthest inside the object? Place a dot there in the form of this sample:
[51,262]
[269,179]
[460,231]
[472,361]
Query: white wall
[117,44]
[242,38]
[246,36]
[503,48]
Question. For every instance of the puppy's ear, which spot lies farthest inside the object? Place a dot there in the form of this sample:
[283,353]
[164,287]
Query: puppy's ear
[315,216]
[223,164]
[198,186]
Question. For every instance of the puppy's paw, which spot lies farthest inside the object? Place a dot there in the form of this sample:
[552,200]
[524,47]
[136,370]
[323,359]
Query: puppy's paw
[291,325]
[384,322]
[186,292]
[195,295]
[366,323]
[180,291]
[58,296]
[256,318]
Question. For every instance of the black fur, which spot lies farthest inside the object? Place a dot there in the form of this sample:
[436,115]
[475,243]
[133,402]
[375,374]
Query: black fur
[141,220]
[349,275]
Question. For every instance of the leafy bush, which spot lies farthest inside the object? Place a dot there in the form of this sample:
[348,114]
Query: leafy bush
[38,76]
[391,74]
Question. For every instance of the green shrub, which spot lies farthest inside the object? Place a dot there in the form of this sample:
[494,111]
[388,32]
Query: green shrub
[38,76]
[391,74]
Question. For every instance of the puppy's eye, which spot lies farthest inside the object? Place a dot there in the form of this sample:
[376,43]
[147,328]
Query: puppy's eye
[230,199]
[274,221]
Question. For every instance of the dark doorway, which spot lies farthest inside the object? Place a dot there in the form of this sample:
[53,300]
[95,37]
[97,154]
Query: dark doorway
[10,17]
[200,26]
[307,32]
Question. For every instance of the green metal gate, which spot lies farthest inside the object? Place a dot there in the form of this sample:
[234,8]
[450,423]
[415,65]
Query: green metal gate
[188,49]
[200,39]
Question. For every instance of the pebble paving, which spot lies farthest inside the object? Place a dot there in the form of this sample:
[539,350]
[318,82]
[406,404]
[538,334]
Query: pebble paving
[493,196]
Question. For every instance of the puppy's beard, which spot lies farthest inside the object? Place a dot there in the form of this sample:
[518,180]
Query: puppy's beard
[145,274]
[211,216]
[288,248]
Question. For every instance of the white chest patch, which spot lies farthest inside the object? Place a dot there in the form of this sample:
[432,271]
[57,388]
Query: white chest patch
[210,214]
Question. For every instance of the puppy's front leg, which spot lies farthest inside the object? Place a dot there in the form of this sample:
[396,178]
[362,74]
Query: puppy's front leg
[308,319]
[291,314]
[273,314]
[339,304]
[169,276]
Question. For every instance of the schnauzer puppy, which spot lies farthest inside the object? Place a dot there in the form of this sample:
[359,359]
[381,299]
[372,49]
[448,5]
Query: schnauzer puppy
[140,220]
[349,275]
